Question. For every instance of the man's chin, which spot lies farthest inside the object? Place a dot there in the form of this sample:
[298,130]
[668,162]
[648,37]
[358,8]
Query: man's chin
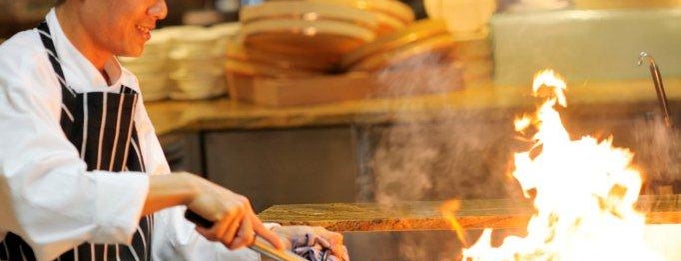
[132,52]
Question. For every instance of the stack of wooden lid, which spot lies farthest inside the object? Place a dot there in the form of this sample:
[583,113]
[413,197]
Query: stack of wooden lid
[308,29]
[294,39]
[422,37]
[425,43]
[248,61]
[315,51]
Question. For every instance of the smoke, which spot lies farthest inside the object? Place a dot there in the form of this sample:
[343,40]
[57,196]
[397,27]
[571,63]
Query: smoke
[456,156]
[658,153]
[434,150]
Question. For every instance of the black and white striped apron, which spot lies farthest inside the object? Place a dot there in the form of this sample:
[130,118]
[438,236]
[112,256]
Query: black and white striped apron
[101,126]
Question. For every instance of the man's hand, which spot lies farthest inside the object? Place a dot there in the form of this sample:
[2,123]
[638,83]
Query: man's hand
[297,236]
[235,223]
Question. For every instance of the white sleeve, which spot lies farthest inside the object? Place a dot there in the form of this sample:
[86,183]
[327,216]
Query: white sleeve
[175,239]
[47,196]
[154,159]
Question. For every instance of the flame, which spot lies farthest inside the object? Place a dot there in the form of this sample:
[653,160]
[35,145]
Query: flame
[550,79]
[448,210]
[584,193]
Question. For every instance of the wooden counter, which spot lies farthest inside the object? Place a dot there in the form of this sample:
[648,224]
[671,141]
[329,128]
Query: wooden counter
[219,114]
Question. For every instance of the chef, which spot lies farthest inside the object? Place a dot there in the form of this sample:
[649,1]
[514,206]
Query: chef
[82,173]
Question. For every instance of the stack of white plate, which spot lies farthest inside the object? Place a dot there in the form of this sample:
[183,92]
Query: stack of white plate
[225,32]
[197,56]
[151,67]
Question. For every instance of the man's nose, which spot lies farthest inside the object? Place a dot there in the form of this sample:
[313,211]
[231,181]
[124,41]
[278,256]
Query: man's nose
[159,10]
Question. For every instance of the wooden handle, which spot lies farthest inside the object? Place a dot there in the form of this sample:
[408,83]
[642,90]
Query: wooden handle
[259,245]
[198,219]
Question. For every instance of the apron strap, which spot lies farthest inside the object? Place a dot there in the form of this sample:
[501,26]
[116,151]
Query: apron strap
[46,37]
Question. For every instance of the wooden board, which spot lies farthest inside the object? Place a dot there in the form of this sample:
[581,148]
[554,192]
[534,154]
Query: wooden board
[473,214]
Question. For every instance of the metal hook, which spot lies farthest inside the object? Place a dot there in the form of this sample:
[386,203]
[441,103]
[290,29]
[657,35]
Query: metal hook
[659,86]
[642,56]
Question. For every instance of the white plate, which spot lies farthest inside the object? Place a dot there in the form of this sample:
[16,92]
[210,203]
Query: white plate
[206,90]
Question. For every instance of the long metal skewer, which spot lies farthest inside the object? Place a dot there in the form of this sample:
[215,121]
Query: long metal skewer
[261,246]
[659,86]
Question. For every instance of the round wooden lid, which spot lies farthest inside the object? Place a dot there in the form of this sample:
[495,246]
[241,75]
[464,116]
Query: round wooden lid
[236,50]
[394,8]
[251,68]
[388,24]
[411,52]
[307,11]
[327,39]
[413,33]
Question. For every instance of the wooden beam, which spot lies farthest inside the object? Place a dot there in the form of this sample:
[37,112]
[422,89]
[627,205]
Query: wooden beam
[473,214]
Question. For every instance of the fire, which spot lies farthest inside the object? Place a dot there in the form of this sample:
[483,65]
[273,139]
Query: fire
[584,193]
[449,210]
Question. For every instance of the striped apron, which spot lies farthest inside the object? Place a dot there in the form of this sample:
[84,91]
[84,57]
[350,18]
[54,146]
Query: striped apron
[100,125]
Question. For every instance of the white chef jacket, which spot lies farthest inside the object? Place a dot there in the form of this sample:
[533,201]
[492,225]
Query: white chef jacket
[46,194]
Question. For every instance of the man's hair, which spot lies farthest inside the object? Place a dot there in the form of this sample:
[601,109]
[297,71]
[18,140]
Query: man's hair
[59,2]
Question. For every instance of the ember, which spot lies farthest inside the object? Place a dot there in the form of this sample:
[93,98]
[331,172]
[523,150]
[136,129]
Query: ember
[584,193]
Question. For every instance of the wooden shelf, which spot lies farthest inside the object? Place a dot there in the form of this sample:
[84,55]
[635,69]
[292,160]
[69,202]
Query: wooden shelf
[603,99]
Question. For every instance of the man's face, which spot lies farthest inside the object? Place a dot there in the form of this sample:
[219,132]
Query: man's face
[122,26]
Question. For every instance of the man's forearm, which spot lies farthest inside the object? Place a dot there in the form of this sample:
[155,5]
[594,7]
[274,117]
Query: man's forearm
[168,191]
